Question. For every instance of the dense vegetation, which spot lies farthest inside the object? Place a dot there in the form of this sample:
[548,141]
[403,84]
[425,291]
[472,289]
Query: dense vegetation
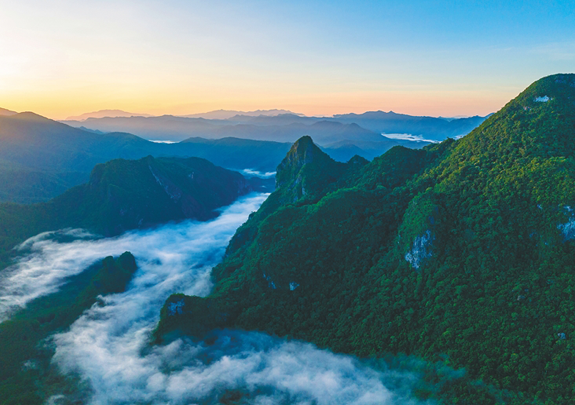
[128,194]
[462,251]
[26,375]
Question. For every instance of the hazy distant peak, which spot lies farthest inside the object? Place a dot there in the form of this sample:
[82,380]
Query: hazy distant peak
[227,114]
[30,116]
[6,113]
[105,114]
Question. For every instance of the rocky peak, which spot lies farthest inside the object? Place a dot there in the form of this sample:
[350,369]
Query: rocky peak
[303,152]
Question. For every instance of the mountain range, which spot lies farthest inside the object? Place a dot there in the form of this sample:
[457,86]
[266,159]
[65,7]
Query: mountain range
[460,253]
[106,113]
[41,158]
[281,128]
[216,114]
[286,127]
[430,128]
[226,114]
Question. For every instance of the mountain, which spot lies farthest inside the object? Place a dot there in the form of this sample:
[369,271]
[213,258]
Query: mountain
[127,194]
[25,185]
[106,113]
[164,128]
[431,128]
[460,253]
[226,114]
[30,140]
[6,113]
[234,153]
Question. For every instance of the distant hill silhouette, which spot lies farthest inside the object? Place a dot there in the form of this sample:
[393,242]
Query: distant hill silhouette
[437,129]
[6,113]
[106,113]
[226,114]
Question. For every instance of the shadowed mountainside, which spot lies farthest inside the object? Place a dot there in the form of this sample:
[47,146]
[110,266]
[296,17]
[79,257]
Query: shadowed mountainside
[127,194]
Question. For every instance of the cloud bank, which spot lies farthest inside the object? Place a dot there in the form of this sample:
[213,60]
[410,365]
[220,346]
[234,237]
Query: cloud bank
[54,256]
[108,346]
[248,366]
[256,173]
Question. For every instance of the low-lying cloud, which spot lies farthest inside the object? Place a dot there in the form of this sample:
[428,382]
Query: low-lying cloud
[409,137]
[250,366]
[108,346]
[257,173]
[168,249]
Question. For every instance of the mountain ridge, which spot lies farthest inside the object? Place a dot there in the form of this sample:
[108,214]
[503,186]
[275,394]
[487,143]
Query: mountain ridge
[104,114]
[227,114]
[434,128]
[179,127]
[6,113]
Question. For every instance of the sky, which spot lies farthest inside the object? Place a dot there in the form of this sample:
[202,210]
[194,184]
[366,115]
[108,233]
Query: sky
[441,58]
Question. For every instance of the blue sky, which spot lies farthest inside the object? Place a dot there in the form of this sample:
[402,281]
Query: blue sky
[318,57]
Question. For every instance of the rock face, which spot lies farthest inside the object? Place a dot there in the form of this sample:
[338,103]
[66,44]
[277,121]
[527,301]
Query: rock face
[175,308]
[302,152]
[297,174]
[421,250]
[567,229]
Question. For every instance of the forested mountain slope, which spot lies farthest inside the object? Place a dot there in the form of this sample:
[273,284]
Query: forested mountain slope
[128,194]
[462,251]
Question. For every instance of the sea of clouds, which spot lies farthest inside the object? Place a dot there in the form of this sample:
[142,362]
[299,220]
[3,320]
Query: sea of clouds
[108,347]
